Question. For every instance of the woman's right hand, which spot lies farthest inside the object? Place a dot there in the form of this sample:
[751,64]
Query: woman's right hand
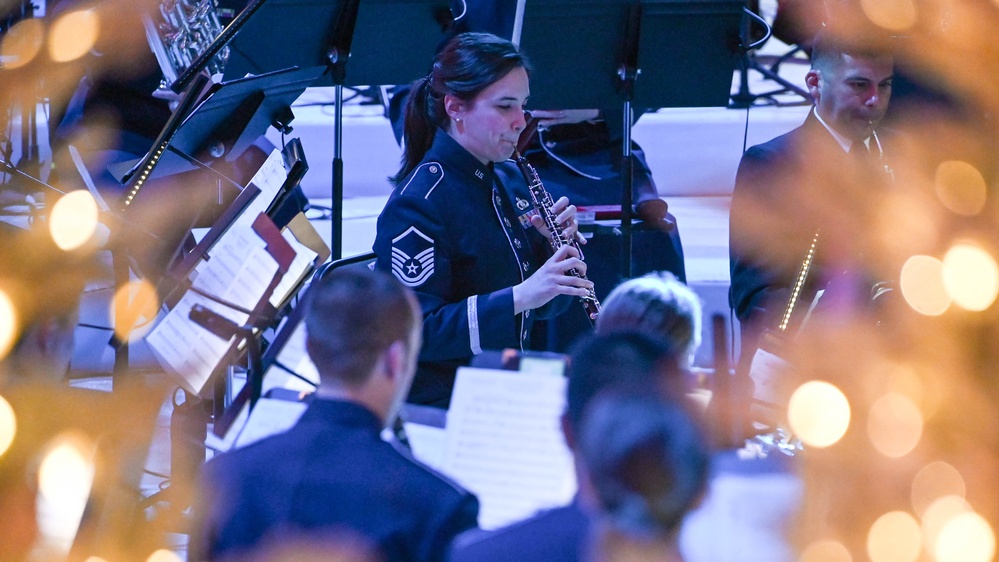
[552,280]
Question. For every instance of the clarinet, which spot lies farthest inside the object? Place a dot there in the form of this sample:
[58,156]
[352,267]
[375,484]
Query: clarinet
[543,203]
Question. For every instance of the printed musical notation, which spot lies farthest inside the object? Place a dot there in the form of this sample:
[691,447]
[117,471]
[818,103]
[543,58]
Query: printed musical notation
[505,443]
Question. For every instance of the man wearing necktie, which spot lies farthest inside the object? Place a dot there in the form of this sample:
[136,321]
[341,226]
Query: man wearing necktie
[816,187]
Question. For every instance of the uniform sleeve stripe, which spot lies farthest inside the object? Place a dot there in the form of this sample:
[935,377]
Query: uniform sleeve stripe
[473,324]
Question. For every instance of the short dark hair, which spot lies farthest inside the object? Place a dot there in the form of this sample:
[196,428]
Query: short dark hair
[828,49]
[622,359]
[647,458]
[354,315]
[468,64]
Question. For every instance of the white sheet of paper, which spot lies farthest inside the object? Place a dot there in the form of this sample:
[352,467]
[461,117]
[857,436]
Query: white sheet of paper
[294,356]
[304,257]
[768,372]
[269,417]
[427,443]
[505,443]
[239,272]
[269,179]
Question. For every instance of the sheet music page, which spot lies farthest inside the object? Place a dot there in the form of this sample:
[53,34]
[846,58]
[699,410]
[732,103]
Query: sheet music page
[505,443]
[268,179]
[304,258]
[294,356]
[239,272]
[427,443]
[269,417]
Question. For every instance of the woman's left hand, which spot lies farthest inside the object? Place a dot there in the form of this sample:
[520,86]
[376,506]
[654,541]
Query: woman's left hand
[565,215]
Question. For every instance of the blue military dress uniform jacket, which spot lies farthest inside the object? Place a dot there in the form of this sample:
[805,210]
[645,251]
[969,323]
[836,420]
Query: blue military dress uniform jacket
[451,232]
[329,477]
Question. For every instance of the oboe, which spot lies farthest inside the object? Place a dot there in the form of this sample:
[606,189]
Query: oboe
[543,203]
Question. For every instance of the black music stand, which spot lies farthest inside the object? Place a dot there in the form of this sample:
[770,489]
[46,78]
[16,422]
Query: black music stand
[581,69]
[226,120]
[653,54]
[209,122]
[360,43]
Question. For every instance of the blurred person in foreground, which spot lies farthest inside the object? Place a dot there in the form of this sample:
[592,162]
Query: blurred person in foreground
[331,478]
[814,193]
[617,360]
[43,285]
[645,466]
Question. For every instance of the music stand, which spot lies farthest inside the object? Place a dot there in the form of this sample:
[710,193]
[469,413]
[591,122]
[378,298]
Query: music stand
[656,53]
[227,119]
[687,52]
[370,42]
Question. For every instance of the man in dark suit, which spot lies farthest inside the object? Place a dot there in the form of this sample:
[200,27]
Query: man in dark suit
[331,479]
[823,178]
[622,360]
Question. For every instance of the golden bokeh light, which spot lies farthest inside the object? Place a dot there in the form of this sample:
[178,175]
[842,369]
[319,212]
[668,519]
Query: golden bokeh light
[971,276]
[894,537]
[137,303]
[938,514]
[73,34]
[960,187]
[65,480]
[8,425]
[967,537]
[163,555]
[934,481]
[94,559]
[819,413]
[74,220]
[923,287]
[21,43]
[904,379]
[894,15]
[894,425]
[67,471]
[8,324]
[826,550]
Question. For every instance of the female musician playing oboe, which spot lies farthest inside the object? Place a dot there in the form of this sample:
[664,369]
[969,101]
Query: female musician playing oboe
[450,231]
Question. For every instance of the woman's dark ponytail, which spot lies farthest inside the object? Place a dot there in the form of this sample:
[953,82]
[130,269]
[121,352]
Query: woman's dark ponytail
[418,130]
[469,63]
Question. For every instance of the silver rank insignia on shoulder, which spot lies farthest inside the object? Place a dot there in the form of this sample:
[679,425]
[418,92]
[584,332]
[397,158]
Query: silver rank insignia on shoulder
[412,257]
[522,204]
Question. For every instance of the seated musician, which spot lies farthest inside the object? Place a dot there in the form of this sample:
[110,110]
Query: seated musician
[331,479]
[450,229]
[823,178]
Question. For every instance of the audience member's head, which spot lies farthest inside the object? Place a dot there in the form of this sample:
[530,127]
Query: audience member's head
[623,359]
[645,460]
[655,303]
[363,334]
